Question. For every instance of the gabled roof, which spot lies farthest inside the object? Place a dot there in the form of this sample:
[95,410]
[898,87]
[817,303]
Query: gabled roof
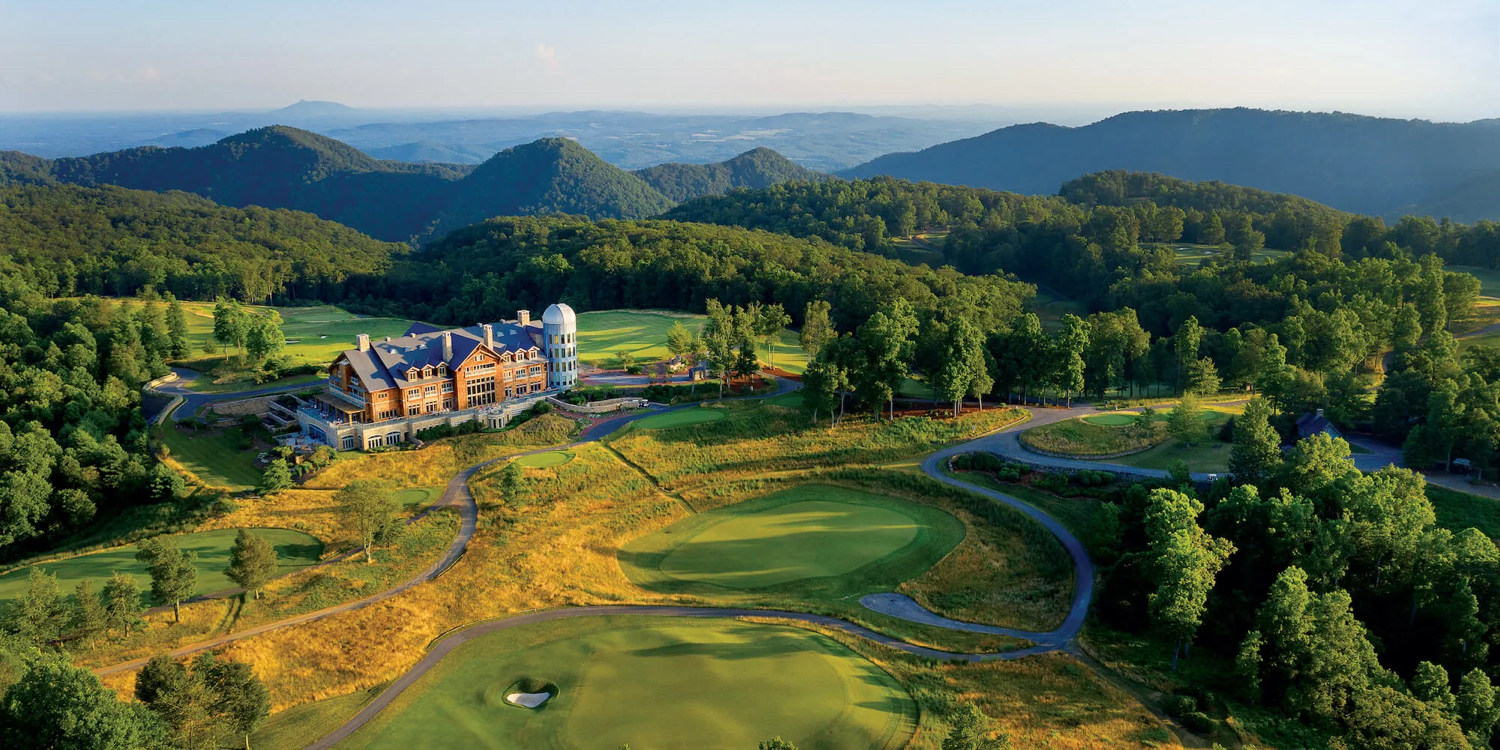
[387,362]
[1312,424]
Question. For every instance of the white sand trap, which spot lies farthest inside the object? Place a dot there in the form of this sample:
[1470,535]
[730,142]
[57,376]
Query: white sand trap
[529,700]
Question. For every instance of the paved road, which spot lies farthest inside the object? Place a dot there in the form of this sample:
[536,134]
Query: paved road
[194,401]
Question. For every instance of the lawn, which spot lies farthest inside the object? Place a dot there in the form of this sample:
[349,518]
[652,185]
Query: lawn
[1457,511]
[1489,278]
[650,682]
[810,531]
[214,457]
[603,335]
[1118,419]
[680,418]
[313,334]
[545,460]
[1051,307]
[295,550]
[417,498]
[1193,254]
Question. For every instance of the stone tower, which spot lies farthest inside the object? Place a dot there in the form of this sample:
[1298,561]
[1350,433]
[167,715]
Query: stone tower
[560,337]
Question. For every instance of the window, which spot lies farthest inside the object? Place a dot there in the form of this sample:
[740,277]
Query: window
[414,393]
[481,391]
[482,368]
[536,370]
[376,441]
[448,404]
[391,438]
[432,407]
[479,357]
[448,387]
[388,414]
[411,374]
[536,387]
[509,375]
[348,442]
[427,371]
[430,390]
[508,392]
[442,371]
[413,410]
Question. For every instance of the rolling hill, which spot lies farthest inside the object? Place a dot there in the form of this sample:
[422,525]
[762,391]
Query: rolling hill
[283,167]
[754,169]
[1364,164]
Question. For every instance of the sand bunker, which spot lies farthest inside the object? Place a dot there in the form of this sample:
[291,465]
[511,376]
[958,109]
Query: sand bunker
[527,700]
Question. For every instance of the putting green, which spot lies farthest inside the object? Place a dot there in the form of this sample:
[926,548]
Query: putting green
[807,532]
[680,418]
[416,498]
[545,460]
[652,682]
[294,550]
[1111,420]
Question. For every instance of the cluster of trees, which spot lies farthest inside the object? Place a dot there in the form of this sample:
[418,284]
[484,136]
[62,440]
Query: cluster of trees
[1335,594]
[486,270]
[67,241]
[46,703]
[259,336]
[73,441]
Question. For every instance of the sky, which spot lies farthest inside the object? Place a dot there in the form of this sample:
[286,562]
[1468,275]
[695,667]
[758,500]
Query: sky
[1436,59]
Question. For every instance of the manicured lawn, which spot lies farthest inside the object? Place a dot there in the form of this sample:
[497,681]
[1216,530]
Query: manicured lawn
[313,334]
[603,335]
[417,498]
[807,532]
[294,550]
[1207,455]
[680,418]
[1111,420]
[214,457]
[657,683]
[545,460]
[1193,254]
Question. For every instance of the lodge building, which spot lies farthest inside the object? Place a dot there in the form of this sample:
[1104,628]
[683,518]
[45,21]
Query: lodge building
[382,392]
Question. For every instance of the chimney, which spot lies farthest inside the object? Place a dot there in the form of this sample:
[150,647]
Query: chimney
[447,346]
[523,317]
[363,342]
[489,336]
[1320,414]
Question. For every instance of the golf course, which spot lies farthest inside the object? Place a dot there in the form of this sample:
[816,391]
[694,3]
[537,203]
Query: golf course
[544,460]
[680,418]
[650,682]
[807,532]
[294,551]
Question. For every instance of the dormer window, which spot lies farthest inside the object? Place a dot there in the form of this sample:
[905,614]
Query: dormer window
[411,374]
[427,371]
[442,371]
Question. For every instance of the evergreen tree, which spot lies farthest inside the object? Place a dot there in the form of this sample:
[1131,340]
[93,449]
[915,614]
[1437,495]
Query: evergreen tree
[88,621]
[122,604]
[276,477]
[252,561]
[173,572]
[177,328]
[40,615]
[1256,454]
[166,484]
[1430,685]
[1478,709]
[511,483]
[776,743]
[970,729]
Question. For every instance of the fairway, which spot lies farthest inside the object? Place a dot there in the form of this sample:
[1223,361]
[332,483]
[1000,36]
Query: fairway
[800,534]
[545,460]
[313,334]
[294,550]
[651,682]
[681,418]
[603,335]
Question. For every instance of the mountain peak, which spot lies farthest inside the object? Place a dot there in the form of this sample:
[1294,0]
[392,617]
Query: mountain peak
[314,107]
[757,168]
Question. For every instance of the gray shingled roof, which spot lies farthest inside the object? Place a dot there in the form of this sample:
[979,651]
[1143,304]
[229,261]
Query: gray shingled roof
[386,363]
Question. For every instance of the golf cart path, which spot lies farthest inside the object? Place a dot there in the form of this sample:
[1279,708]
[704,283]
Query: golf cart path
[194,401]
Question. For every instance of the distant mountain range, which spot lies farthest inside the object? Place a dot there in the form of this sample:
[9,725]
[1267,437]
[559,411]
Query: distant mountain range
[630,140]
[758,168]
[1367,165]
[284,167]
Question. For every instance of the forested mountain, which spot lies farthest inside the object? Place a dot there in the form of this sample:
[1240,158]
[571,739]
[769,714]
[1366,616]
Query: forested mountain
[756,168]
[66,241]
[281,167]
[1363,164]
[552,175]
[1475,199]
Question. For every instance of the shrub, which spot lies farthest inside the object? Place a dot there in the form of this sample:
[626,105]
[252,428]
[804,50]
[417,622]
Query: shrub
[1226,431]
[1200,723]
[1180,705]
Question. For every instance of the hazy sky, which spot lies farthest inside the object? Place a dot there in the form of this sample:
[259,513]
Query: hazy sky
[1435,58]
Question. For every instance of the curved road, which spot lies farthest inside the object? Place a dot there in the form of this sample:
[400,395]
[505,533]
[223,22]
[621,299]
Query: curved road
[193,401]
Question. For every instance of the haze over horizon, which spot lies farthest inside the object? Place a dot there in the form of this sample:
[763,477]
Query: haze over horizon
[1433,60]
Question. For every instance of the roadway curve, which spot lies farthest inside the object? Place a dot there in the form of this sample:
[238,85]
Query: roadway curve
[194,401]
